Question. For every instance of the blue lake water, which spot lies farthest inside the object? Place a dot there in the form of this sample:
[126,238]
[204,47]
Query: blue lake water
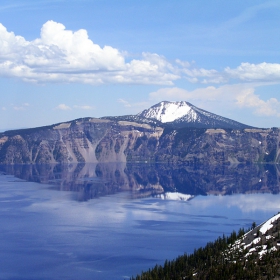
[99,222]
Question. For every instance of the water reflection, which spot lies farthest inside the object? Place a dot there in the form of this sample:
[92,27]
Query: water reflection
[46,233]
[88,181]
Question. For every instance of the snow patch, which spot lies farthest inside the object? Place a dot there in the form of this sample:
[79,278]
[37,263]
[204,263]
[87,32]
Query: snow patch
[168,111]
[269,224]
[175,196]
[256,240]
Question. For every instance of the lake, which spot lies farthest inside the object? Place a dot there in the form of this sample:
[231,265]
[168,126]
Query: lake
[111,221]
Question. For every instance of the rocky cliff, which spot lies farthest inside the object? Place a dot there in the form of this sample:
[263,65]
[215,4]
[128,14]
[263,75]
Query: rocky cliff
[122,140]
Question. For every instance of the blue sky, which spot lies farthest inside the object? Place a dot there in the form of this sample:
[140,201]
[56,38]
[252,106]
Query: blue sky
[62,60]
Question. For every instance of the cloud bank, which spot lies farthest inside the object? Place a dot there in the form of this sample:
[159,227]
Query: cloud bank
[238,96]
[62,55]
[64,107]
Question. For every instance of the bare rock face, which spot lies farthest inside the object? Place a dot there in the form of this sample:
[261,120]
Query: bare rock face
[114,140]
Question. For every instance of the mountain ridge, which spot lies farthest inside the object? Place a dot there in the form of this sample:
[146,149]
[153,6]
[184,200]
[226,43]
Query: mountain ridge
[130,138]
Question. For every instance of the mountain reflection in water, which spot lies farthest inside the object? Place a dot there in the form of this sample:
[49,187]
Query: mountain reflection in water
[89,181]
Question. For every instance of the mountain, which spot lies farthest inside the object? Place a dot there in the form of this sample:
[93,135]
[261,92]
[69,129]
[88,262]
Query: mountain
[193,137]
[184,114]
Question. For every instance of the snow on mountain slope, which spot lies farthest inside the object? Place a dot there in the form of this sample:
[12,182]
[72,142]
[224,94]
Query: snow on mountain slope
[168,111]
[182,113]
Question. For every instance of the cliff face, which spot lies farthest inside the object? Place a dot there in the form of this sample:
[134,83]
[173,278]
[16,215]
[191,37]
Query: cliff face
[217,146]
[209,146]
[107,140]
[84,140]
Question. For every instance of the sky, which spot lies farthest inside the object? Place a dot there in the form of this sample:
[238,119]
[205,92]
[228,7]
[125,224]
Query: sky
[66,59]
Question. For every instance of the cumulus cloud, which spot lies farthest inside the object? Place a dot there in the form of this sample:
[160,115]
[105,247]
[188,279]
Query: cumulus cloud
[234,96]
[270,107]
[245,72]
[63,107]
[267,72]
[61,55]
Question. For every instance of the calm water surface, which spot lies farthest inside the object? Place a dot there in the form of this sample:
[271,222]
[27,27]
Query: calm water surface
[113,221]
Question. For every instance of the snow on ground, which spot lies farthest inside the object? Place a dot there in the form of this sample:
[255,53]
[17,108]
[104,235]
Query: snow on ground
[173,112]
[268,237]
[176,196]
[268,224]
[256,240]
[168,111]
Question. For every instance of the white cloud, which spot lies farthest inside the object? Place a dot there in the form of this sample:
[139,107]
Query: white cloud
[231,96]
[270,107]
[124,102]
[61,55]
[83,107]
[267,72]
[63,107]
[194,74]
[245,72]
[20,107]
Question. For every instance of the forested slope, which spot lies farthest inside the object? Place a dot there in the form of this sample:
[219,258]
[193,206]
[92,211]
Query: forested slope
[251,255]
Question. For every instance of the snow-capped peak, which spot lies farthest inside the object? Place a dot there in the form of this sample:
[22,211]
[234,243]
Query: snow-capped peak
[167,111]
[184,114]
